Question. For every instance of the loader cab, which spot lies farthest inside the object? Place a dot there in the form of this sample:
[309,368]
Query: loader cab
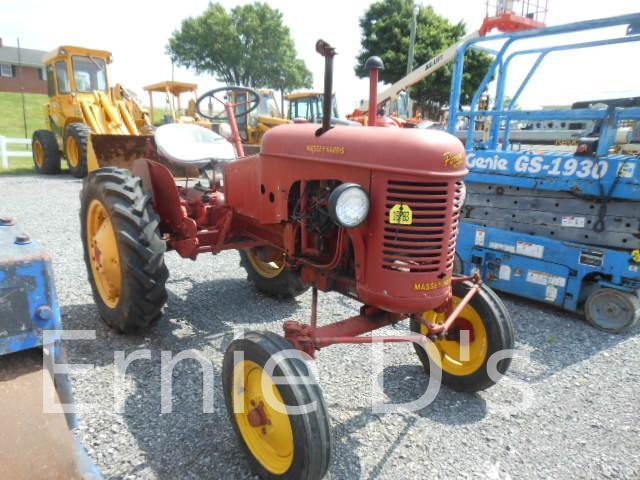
[76,71]
[307,106]
[73,73]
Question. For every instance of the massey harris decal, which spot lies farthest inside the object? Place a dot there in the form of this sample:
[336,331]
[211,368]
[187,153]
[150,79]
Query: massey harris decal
[331,149]
[453,160]
[427,286]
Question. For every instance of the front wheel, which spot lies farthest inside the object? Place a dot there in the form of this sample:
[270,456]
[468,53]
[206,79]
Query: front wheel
[486,324]
[271,276]
[123,250]
[280,442]
[76,139]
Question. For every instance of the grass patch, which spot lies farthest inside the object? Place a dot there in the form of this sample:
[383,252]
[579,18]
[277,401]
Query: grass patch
[11,122]
[12,125]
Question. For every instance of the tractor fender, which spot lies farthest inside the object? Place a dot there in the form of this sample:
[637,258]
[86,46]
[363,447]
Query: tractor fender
[159,182]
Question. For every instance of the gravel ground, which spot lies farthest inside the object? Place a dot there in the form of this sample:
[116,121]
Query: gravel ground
[568,409]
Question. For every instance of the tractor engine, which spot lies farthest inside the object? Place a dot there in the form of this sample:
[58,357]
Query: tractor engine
[370,212]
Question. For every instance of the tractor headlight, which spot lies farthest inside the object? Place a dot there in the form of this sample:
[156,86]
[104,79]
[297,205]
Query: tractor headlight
[349,205]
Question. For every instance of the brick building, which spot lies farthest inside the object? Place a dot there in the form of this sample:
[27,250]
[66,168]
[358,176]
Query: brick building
[23,70]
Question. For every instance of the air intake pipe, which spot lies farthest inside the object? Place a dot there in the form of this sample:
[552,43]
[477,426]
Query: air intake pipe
[374,65]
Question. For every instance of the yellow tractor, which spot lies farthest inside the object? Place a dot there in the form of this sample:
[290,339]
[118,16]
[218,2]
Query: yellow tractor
[81,103]
[173,111]
[267,115]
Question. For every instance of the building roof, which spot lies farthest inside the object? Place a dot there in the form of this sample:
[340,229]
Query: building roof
[28,56]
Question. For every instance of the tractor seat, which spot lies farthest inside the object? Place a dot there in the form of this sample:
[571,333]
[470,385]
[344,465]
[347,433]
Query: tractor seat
[188,145]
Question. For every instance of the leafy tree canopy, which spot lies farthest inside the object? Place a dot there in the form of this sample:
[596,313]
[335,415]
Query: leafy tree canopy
[248,46]
[386,27]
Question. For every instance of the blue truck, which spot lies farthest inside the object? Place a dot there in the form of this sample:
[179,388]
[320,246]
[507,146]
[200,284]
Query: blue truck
[555,223]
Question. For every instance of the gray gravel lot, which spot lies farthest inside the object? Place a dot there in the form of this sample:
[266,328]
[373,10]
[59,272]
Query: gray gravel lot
[581,387]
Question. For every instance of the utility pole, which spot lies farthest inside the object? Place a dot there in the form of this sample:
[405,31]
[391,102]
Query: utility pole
[412,44]
[24,108]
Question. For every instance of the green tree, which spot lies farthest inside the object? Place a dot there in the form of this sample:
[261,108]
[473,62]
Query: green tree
[385,30]
[248,46]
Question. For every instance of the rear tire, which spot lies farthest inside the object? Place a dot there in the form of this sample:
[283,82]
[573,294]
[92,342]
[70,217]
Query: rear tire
[76,139]
[488,319]
[46,154]
[132,295]
[272,278]
[611,310]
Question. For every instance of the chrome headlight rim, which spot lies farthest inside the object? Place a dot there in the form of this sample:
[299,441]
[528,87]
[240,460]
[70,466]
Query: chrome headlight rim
[334,202]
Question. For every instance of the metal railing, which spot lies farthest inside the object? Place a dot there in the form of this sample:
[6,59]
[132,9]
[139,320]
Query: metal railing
[533,9]
[5,153]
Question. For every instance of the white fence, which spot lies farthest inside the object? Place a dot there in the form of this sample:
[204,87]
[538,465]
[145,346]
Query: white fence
[5,153]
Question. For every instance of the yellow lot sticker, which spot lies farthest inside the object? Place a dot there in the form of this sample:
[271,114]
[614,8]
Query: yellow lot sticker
[401,214]
[635,255]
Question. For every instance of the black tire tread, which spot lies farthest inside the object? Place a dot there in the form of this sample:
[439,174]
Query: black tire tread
[81,132]
[319,454]
[51,164]
[286,285]
[142,249]
[500,328]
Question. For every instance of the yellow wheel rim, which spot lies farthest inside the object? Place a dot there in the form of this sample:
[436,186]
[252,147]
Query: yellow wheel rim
[38,153]
[73,152]
[266,431]
[455,358]
[266,269]
[103,254]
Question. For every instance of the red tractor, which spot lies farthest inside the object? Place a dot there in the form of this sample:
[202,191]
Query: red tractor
[369,212]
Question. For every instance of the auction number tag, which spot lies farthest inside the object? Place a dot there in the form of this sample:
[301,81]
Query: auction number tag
[401,214]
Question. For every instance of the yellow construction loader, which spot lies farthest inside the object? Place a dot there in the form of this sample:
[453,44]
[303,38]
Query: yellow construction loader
[81,103]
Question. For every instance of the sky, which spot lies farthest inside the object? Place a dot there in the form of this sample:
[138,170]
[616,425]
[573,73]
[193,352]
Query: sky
[136,32]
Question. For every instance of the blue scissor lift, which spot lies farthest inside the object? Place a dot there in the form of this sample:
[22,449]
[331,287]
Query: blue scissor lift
[561,227]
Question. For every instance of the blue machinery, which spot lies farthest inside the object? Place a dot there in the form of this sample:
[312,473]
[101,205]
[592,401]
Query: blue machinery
[39,444]
[558,227]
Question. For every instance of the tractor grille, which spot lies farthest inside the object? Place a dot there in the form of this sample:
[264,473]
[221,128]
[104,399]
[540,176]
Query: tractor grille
[428,243]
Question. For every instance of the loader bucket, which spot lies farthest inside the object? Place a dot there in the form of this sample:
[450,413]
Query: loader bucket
[121,151]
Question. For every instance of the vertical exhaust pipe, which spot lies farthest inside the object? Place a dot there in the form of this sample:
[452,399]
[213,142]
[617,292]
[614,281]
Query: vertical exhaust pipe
[328,52]
[374,65]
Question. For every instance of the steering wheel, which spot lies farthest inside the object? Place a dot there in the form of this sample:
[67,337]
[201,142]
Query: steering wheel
[253,100]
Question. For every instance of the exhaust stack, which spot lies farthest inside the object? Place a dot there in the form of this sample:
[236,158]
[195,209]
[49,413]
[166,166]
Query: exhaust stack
[328,52]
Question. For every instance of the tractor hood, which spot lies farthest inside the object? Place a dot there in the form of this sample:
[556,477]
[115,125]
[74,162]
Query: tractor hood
[406,151]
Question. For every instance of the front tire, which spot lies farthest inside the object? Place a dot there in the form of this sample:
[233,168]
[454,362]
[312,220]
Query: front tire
[76,139]
[46,154]
[123,250]
[272,278]
[490,330]
[278,444]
